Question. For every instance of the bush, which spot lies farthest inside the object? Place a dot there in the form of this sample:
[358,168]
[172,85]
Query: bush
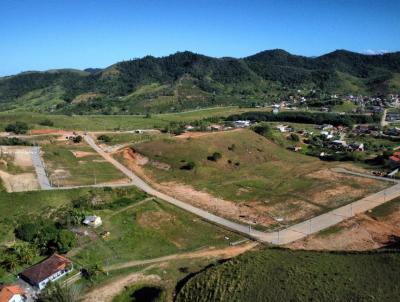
[27,231]
[104,138]
[188,166]
[47,122]
[17,128]
[263,129]
[215,156]
[294,137]
[77,139]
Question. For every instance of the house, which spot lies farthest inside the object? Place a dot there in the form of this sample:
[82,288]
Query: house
[326,134]
[12,293]
[326,127]
[339,143]
[394,161]
[241,124]
[356,147]
[215,127]
[49,270]
[93,221]
[283,128]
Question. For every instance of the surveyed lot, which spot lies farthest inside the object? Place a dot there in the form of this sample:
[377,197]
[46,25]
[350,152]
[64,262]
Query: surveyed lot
[70,164]
[252,179]
[16,169]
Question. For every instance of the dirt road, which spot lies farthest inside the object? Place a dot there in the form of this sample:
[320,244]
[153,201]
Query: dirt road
[224,253]
[284,236]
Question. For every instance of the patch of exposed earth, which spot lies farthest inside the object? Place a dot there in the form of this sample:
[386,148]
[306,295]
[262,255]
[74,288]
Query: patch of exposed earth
[19,182]
[356,234]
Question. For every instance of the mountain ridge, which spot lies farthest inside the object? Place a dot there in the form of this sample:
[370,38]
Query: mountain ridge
[189,80]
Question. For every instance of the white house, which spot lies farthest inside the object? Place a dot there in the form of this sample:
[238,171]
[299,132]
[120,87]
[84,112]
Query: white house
[241,124]
[93,221]
[49,270]
[283,128]
[12,293]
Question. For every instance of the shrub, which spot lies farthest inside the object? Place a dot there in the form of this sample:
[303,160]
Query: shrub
[188,166]
[104,138]
[215,156]
[294,137]
[263,129]
[77,139]
[17,127]
[47,122]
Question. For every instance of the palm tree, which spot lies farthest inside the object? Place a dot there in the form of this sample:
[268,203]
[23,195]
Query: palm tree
[56,292]
[10,262]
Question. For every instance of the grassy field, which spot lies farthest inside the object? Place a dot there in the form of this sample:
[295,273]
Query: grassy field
[84,168]
[149,230]
[285,275]
[111,122]
[133,138]
[253,169]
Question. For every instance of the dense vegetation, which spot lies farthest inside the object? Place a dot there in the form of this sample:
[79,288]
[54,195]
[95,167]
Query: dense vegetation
[285,275]
[306,118]
[188,80]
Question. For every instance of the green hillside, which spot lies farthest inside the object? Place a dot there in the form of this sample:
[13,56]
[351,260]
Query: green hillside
[285,275]
[187,80]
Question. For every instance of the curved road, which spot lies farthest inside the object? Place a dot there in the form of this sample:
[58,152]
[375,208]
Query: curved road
[284,236]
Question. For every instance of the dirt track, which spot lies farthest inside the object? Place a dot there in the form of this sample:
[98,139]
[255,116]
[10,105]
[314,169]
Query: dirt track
[108,291]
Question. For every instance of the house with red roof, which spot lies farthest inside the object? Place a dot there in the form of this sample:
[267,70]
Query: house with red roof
[12,293]
[50,269]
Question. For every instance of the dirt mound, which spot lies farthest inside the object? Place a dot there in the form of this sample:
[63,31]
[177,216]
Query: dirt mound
[79,154]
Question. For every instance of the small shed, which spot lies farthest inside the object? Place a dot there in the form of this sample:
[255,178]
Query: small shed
[93,221]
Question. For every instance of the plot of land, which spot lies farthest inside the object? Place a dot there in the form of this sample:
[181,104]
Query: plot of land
[70,164]
[253,180]
[16,169]
[375,229]
[150,229]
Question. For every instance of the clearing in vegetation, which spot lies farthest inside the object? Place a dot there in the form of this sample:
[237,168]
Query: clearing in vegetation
[245,177]
[16,169]
[285,275]
[71,164]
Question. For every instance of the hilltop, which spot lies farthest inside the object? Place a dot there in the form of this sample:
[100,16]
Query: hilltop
[187,80]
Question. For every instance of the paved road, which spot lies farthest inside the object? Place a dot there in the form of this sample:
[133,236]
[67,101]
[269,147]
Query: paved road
[40,169]
[284,236]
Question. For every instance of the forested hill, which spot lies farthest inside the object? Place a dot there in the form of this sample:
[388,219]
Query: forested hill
[188,80]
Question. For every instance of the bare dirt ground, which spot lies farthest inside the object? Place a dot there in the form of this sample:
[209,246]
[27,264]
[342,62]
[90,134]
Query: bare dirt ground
[19,182]
[107,292]
[80,154]
[209,253]
[21,157]
[356,234]
[199,134]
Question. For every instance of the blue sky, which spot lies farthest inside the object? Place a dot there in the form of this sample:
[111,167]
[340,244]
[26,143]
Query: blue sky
[44,34]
